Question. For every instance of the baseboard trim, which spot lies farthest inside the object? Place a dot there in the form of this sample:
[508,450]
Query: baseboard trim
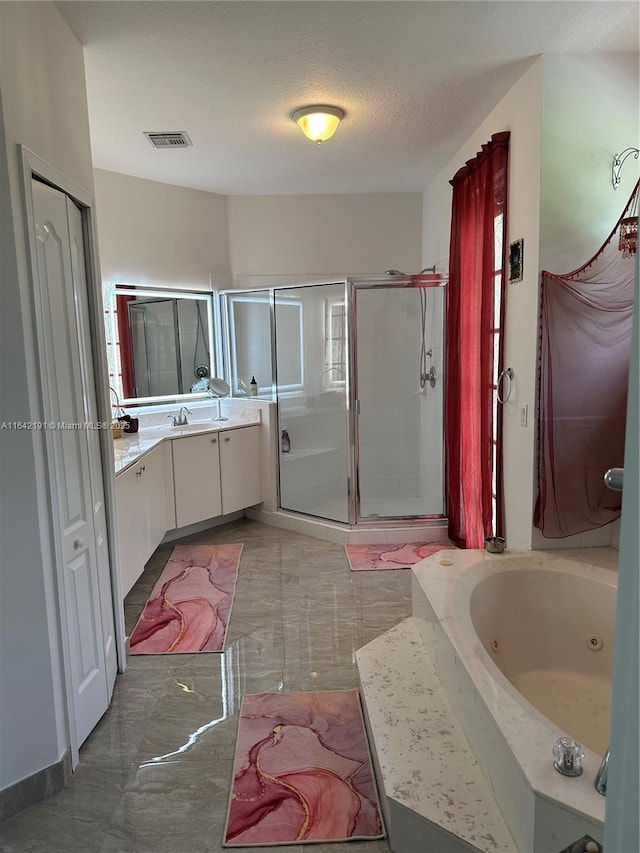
[199,526]
[35,788]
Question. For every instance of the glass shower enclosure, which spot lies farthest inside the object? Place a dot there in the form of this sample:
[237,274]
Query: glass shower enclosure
[355,367]
[313,407]
[399,400]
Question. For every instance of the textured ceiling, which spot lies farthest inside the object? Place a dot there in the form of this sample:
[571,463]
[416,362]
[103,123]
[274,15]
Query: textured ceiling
[414,78]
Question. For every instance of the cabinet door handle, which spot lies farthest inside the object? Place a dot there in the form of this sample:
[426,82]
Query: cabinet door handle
[214,441]
[78,543]
[226,438]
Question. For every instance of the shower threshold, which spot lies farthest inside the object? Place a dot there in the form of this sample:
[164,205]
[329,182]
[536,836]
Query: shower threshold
[367,531]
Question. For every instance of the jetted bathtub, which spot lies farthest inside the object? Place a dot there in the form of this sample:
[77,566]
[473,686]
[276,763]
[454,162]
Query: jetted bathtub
[523,642]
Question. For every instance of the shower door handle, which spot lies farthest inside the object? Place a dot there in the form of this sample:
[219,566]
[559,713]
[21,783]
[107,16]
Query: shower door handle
[614,479]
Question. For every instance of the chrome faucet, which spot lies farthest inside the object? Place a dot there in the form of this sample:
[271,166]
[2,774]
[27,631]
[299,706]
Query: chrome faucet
[600,783]
[181,419]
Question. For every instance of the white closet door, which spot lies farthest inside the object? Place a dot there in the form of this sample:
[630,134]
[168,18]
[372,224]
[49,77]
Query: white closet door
[68,464]
[78,270]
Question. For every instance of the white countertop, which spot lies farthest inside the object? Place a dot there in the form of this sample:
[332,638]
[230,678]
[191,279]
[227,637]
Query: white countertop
[130,448]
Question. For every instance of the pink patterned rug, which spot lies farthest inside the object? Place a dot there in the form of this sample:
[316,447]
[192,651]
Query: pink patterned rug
[302,771]
[189,608]
[367,557]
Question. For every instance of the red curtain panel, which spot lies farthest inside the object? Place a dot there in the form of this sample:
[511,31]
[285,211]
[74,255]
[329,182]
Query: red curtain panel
[124,336]
[475,312]
[585,350]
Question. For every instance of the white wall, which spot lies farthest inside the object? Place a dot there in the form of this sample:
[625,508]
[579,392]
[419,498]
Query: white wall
[158,234]
[520,112]
[590,107]
[43,100]
[326,235]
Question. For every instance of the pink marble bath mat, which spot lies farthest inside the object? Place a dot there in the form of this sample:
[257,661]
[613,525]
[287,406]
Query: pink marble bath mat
[302,771]
[189,608]
[367,557]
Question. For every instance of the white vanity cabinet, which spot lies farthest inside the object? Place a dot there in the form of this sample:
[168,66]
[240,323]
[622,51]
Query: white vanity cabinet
[180,482]
[146,510]
[196,478]
[240,468]
[216,474]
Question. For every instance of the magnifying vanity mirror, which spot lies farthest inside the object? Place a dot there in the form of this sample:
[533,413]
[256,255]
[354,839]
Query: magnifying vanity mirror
[218,389]
[160,343]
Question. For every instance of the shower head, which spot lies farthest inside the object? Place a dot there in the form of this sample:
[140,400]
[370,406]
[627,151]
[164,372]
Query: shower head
[399,272]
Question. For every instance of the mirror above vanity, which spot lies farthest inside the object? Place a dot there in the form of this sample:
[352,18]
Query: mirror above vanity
[161,343]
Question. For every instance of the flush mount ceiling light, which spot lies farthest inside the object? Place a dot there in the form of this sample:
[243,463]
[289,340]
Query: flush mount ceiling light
[318,122]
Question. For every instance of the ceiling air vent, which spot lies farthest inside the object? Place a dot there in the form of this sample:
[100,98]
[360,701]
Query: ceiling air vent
[173,139]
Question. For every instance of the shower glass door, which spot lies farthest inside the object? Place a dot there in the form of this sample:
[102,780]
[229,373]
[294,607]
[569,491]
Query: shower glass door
[312,389]
[399,338]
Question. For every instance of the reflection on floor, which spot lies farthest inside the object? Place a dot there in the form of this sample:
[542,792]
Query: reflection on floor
[155,773]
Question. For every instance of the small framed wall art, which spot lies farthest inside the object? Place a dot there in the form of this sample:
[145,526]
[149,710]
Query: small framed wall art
[516,261]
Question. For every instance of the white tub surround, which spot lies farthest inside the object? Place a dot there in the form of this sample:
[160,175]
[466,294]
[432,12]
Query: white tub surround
[510,738]
[433,793]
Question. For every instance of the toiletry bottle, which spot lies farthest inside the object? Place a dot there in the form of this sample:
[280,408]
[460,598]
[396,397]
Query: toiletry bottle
[253,387]
[285,442]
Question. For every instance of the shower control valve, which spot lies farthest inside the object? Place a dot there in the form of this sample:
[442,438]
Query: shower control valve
[430,377]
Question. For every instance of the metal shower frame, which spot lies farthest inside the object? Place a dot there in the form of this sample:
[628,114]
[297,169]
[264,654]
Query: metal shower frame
[351,284]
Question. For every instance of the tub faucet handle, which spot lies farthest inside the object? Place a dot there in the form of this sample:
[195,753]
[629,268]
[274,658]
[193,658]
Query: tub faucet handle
[600,783]
[568,756]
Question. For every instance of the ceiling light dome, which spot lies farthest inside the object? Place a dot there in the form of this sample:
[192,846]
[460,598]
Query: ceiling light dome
[318,122]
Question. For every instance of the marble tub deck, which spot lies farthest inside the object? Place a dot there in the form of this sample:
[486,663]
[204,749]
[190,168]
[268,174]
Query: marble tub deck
[436,794]
[154,775]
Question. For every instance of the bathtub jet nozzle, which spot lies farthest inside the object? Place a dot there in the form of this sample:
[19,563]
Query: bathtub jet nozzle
[568,756]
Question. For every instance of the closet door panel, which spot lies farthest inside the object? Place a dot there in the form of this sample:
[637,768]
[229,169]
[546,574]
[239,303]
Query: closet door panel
[90,409]
[68,462]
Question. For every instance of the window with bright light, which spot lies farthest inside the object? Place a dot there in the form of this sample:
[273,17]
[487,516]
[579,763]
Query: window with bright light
[335,361]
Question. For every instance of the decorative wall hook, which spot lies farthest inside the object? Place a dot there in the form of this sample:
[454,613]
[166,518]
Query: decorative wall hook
[618,160]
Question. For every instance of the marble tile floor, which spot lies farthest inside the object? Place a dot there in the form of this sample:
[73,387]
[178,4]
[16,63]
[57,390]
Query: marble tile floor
[154,775]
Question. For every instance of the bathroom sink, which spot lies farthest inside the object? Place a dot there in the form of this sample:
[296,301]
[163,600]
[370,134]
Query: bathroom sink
[192,426]
[195,426]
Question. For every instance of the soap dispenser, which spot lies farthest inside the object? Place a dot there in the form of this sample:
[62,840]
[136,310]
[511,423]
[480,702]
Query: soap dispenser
[253,387]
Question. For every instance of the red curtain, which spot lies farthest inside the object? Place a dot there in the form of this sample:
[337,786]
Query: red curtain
[124,336]
[475,313]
